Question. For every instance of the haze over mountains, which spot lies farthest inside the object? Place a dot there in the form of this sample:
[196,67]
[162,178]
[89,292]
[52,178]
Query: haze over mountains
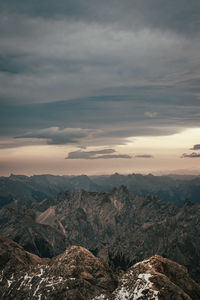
[26,189]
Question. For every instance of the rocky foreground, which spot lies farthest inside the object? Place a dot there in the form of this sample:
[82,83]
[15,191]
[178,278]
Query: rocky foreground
[77,274]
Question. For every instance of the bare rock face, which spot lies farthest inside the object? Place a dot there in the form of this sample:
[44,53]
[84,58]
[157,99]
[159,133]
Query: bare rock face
[157,278]
[75,274]
[40,239]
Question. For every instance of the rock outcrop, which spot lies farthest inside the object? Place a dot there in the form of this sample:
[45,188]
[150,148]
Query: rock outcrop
[157,278]
[40,239]
[77,274]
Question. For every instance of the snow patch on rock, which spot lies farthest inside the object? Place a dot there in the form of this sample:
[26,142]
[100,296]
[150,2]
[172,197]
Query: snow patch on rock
[100,297]
[137,289]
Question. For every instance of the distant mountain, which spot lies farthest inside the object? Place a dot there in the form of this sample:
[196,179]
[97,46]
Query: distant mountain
[116,226]
[171,189]
[27,190]
[36,188]
[77,274]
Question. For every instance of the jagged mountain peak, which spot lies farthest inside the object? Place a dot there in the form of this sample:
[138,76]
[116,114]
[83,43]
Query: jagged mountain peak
[121,189]
[76,252]
[157,278]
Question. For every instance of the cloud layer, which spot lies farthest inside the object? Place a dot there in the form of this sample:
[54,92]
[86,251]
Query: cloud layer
[58,136]
[99,154]
[144,156]
[191,155]
[196,147]
[61,50]
[95,73]
[178,16]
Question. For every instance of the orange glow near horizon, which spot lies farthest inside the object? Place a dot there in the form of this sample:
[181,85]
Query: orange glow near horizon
[166,152]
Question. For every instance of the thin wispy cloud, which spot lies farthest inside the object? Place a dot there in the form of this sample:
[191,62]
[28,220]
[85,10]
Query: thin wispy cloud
[191,155]
[99,154]
[144,156]
[196,147]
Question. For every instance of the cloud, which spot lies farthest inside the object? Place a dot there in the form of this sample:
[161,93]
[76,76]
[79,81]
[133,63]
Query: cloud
[99,154]
[123,76]
[58,136]
[179,16]
[114,156]
[108,120]
[45,53]
[196,147]
[150,114]
[144,156]
[191,155]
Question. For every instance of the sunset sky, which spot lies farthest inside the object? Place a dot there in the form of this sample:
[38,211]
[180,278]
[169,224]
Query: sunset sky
[96,87]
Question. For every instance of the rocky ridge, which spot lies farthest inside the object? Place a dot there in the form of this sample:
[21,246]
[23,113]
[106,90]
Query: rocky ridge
[77,274]
[154,279]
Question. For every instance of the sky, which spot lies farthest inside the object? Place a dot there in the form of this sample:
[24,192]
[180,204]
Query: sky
[97,87]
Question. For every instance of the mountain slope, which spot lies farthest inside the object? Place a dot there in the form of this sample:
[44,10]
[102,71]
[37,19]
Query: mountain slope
[20,226]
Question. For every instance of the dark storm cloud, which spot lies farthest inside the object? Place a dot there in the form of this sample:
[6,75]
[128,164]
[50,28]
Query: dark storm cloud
[12,64]
[176,15]
[51,51]
[58,136]
[131,56]
[196,147]
[103,121]
[191,155]
[144,156]
[99,154]
[27,64]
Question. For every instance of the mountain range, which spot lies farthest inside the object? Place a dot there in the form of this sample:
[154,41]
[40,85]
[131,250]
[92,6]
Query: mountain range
[36,188]
[116,226]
